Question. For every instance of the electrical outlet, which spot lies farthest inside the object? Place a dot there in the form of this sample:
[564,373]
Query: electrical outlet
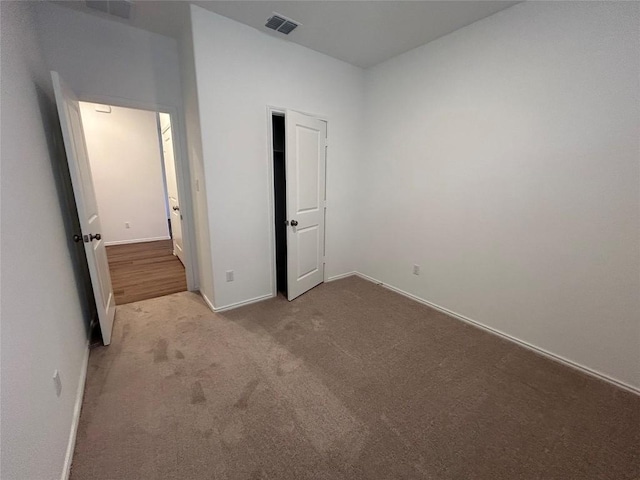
[127,225]
[416,269]
[197,185]
[57,383]
[229,275]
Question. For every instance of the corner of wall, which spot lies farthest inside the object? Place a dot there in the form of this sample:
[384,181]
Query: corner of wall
[196,164]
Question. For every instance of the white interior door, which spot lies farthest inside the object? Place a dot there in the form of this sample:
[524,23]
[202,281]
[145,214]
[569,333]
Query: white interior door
[306,139]
[172,192]
[83,191]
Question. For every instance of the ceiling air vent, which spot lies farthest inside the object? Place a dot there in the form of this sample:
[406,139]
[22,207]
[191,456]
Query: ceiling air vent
[281,24]
[287,27]
[118,8]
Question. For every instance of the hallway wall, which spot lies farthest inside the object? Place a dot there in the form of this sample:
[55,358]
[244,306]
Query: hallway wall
[127,170]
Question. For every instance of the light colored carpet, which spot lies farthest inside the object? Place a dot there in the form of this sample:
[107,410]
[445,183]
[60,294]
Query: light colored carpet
[350,381]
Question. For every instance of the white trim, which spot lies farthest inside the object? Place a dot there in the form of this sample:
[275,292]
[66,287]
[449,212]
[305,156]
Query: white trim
[231,306]
[71,446]
[342,275]
[324,212]
[207,301]
[183,174]
[136,240]
[522,343]
[242,303]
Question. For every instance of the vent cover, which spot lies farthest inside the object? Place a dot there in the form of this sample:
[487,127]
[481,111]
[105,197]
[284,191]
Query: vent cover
[281,24]
[118,8]
[274,22]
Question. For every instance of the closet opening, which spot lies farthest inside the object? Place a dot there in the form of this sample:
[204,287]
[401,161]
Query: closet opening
[280,201]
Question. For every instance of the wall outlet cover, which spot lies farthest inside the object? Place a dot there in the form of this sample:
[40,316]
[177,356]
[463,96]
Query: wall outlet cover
[229,275]
[416,269]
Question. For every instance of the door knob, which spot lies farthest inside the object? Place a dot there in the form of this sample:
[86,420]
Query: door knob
[77,238]
[294,223]
[176,208]
[93,237]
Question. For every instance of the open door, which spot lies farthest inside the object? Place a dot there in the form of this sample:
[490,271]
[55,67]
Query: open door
[172,186]
[83,191]
[306,139]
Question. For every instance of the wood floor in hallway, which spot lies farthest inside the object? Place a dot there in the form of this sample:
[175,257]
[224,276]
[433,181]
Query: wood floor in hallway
[140,271]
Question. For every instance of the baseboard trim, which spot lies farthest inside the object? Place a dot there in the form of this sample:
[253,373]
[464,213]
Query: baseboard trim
[231,306]
[207,301]
[340,276]
[136,240]
[264,297]
[506,336]
[76,417]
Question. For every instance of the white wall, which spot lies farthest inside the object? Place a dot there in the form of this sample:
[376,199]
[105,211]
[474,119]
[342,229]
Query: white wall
[99,57]
[239,72]
[194,146]
[43,317]
[126,166]
[503,159]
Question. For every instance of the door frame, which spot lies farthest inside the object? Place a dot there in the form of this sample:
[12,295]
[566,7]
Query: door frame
[282,112]
[182,172]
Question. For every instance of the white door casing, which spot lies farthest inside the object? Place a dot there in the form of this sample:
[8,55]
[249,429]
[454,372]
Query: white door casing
[84,194]
[305,166]
[172,193]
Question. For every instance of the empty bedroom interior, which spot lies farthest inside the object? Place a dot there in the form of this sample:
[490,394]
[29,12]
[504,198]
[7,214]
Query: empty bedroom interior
[450,191]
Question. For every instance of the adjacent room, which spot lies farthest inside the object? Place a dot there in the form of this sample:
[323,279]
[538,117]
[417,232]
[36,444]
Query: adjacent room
[320,240]
[133,171]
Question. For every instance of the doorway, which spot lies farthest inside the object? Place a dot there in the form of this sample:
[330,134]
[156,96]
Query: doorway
[280,202]
[298,158]
[132,161]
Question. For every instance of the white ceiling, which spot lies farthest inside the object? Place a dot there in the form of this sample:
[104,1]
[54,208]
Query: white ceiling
[360,32]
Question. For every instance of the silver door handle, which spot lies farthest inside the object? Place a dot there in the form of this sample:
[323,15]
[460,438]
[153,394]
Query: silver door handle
[294,223]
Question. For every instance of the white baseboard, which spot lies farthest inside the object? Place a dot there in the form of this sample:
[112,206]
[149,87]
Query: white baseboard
[522,343]
[340,276]
[207,301]
[136,240]
[76,417]
[231,306]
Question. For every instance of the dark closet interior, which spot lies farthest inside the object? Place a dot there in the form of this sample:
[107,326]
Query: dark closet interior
[280,201]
